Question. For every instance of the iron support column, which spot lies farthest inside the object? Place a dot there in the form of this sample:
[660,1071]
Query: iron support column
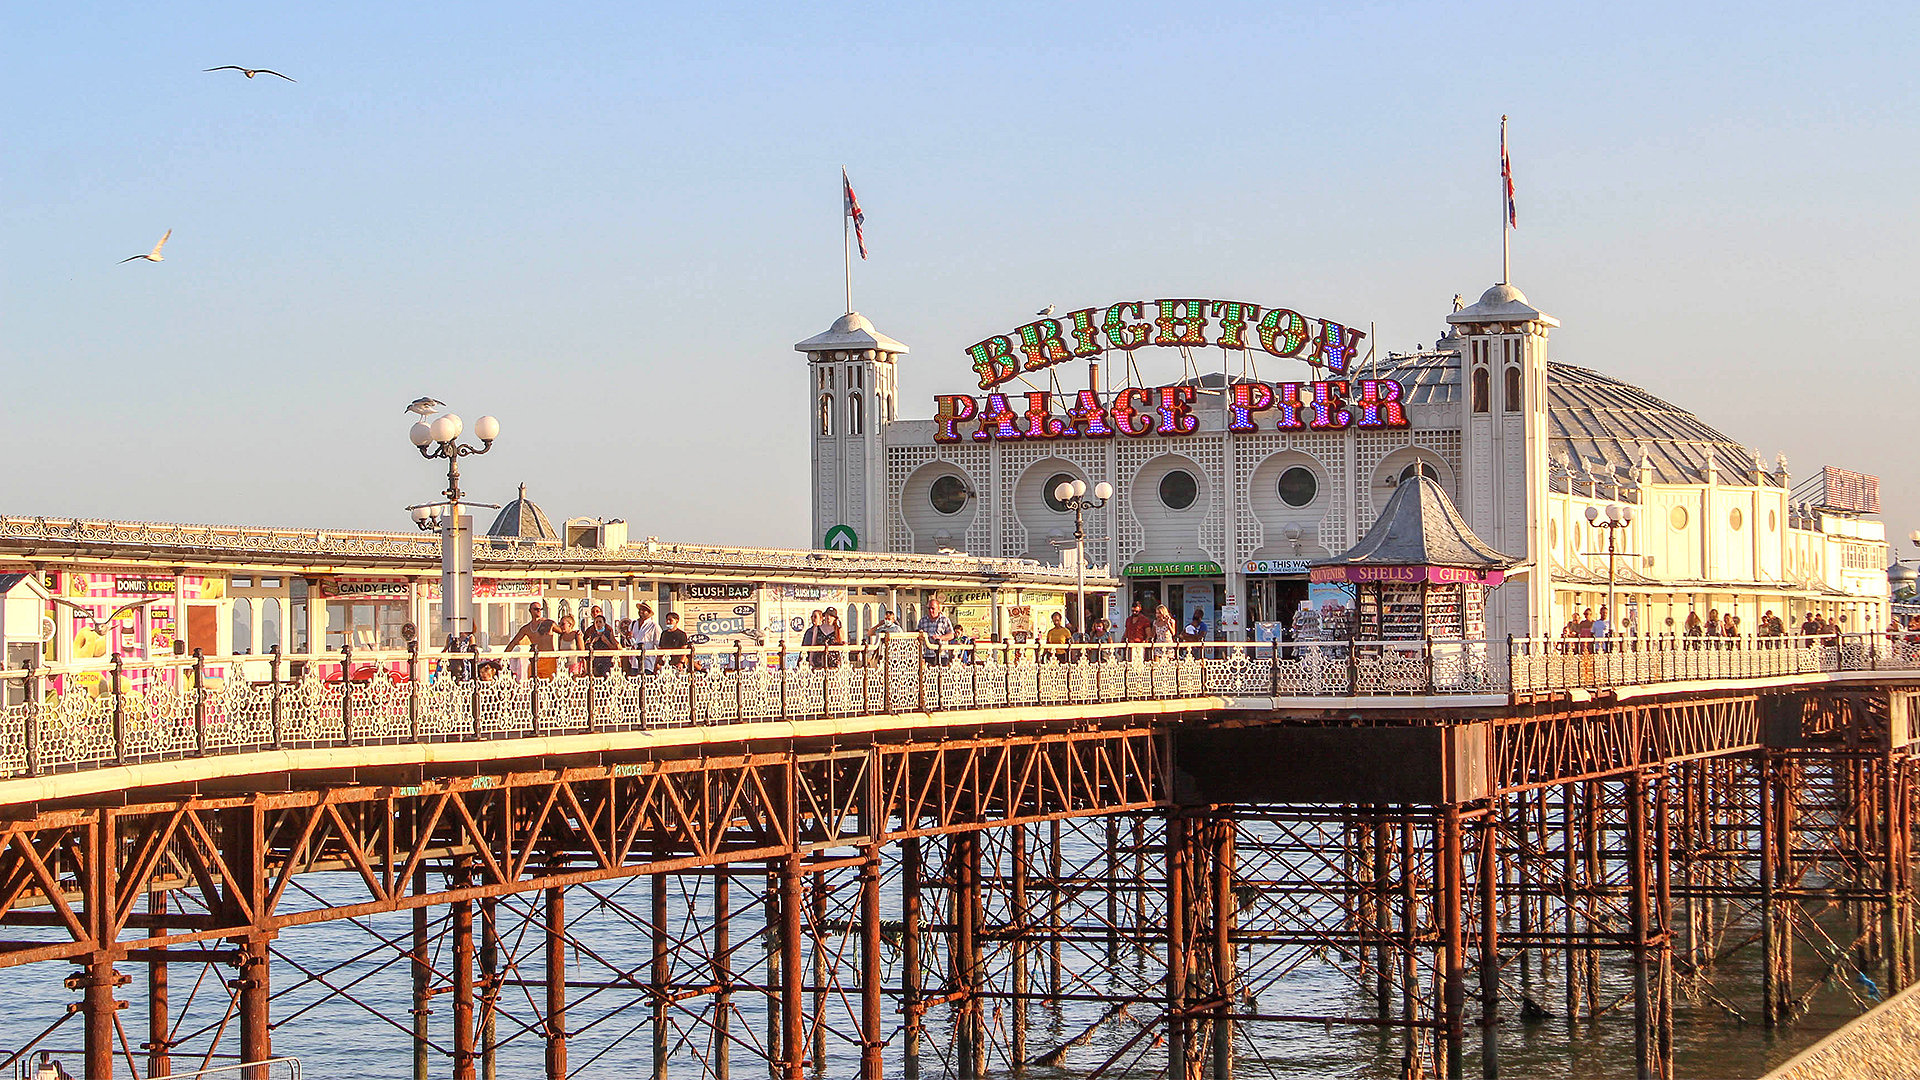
[1453,939]
[556,984]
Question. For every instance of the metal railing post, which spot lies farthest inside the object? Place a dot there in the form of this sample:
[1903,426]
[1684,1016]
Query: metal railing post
[473,683]
[119,716]
[199,703]
[30,686]
[739,684]
[533,685]
[920,655]
[273,696]
[783,678]
[1513,680]
[641,694]
[346,694]
[886,672]
[413,690]
[594,681]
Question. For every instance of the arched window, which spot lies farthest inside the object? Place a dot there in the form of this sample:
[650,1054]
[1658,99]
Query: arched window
[270,624]
[242,625]
[1480,390]
[826,414]
[856,416]
[1513,389]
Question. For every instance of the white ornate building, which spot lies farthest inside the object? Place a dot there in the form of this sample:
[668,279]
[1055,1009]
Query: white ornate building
[1233,483]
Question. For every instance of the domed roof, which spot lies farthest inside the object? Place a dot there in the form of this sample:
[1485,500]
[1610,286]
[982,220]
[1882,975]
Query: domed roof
[521,519]
[852,332]
[1502,293]
[1594,420]
[1599,418]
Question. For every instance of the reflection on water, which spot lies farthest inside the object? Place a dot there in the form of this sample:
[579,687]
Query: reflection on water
[1715,1031]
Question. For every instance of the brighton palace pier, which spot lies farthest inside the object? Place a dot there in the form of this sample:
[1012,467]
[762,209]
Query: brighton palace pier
[1278,441]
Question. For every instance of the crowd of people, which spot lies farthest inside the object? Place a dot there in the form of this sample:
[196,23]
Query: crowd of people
[643,643]
[1588,632]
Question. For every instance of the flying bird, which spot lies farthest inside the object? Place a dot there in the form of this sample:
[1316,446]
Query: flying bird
[425,406]
[151,256]
[250,72]
[1048,310]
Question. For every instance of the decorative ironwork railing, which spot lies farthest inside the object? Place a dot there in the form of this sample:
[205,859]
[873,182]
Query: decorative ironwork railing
[67,717]
[1545,665]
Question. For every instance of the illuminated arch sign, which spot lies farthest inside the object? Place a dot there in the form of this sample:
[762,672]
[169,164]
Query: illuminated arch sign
[1133,324]
[1168,410]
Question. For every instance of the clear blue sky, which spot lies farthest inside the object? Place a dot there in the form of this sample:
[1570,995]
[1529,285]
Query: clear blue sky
[607,224]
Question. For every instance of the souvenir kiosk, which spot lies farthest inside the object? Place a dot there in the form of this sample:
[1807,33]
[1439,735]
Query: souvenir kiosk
[1419,573]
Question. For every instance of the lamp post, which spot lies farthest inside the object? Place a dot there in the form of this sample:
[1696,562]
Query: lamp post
[1618,516]
[440,438]
[1073,495]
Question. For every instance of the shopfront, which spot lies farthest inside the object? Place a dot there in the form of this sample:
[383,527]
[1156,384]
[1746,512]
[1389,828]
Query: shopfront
[1184,587]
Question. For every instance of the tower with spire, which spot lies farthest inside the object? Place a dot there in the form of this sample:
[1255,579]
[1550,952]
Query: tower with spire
[1504,447]
[851,378]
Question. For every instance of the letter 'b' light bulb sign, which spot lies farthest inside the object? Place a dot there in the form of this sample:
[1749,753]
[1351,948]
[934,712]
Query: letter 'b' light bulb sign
[1329,405]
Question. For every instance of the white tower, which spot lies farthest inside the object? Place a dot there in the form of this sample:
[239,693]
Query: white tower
[1503,405]
[853,396]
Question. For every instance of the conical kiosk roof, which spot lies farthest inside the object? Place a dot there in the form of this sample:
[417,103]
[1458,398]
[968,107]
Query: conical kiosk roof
[1420,536]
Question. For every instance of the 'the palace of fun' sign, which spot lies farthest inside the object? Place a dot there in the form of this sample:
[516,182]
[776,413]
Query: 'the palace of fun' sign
[1330,405]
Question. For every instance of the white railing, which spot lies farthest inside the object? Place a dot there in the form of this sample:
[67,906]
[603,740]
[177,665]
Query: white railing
[1552,664]
[66,717]
[62,717]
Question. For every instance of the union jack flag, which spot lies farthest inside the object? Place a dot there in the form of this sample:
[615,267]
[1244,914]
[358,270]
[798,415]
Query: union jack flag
[854,212]
[1506,174]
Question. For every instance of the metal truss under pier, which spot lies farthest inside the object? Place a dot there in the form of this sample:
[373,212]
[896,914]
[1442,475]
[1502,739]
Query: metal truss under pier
[1110,894]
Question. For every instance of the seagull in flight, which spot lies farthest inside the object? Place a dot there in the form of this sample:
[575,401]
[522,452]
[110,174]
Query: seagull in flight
[151,256]
[425,406]
[1048,310]
[250,72]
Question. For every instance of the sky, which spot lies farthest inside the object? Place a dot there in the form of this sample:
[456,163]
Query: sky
[607,224]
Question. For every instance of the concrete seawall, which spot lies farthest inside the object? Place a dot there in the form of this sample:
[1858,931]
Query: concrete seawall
[1883,1044]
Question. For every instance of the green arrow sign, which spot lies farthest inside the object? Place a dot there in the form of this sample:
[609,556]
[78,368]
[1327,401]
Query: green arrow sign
[841,538]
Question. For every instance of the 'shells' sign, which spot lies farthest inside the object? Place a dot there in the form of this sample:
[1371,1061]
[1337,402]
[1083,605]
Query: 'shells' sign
[1133,324]
[1168,410]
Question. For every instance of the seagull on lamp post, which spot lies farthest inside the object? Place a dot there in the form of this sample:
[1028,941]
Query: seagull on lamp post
[154,255]
[250,72]
[424,406]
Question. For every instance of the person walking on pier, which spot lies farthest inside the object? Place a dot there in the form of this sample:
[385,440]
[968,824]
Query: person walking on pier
[601,638]
[673,638]
[939,632]
[537,632]
[646,636]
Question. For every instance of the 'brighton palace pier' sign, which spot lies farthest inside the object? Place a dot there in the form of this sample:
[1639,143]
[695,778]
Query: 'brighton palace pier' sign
[1326,405]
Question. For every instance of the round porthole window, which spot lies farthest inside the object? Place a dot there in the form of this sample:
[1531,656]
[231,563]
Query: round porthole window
[1298,486]
[1553,533]
[1178,489]
[1735,519]
[949,494]
[1773,521]
[1677,517]
[1046,493]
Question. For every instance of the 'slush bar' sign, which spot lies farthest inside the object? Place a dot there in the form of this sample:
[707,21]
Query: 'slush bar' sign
[1169,410]
[1133,324]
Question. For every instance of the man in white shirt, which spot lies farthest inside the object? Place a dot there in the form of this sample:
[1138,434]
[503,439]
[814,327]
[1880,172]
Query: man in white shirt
[646,636]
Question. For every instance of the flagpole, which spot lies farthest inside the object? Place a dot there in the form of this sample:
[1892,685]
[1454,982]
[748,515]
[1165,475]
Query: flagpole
[846,237]
[1506,232]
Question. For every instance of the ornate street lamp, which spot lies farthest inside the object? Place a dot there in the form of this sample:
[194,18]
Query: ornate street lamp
[1618,516]
[1072,494]
[440,438]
